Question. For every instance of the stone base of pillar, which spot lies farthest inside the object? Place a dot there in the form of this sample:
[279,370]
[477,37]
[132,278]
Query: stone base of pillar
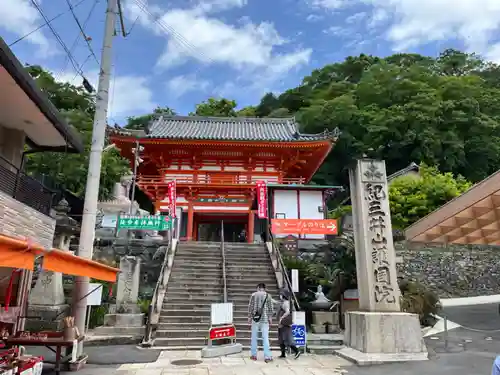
[46,318]
[382,337]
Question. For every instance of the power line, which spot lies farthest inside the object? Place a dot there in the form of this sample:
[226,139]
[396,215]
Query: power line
[177,37]
[58,38]
[82,28]
[75,43]
[45,24]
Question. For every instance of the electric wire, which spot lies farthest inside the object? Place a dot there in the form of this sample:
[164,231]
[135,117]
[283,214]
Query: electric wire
[82,28]
[75,44]
[177,37]
[58,38]
[44,24]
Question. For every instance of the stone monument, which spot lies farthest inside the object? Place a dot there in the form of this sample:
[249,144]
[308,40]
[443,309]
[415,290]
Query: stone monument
[379,332]
[47,301]
[125,318]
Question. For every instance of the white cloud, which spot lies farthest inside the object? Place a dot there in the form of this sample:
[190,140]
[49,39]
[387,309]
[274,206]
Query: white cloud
[196,34]
[128,94]
[493,53]
[329,4]
[219,5]
[412,23]
[355,18]
[20,17]
[180,85]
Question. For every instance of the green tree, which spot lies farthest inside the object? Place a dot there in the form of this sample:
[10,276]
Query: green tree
[413,197]
[405,108]
[249,111]
[141,122]
[216,108]
[70,170]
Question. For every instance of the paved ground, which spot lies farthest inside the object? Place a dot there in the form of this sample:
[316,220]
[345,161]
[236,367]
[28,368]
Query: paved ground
[232,365]
[478,317]
[470,350]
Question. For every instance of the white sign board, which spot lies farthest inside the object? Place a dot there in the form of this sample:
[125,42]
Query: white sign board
[95,296]
[221,313]
[351,294]
[109,221]
[299,318]
[295,281]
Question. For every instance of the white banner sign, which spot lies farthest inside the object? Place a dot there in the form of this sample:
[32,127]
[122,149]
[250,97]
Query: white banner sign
[295,281]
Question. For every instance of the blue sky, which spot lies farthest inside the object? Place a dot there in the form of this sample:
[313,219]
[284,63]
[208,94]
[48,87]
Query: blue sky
[181,52]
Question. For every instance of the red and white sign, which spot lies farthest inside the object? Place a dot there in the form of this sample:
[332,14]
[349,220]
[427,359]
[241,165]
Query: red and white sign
[262,199]
[222,332]
[172,198]
[303,226]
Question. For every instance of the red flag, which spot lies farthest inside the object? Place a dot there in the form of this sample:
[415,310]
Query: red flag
[172,198]
[262,199]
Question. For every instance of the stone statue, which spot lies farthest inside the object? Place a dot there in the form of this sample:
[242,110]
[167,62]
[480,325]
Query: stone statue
[321,302]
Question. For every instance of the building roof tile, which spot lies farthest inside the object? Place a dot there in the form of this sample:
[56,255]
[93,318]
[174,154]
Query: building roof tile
[232,129]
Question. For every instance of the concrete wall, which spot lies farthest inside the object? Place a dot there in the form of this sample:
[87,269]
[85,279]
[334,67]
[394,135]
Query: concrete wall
[19,220]
[454,271]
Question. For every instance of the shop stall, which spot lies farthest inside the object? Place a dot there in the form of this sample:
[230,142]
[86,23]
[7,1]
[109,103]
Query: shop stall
[17,262]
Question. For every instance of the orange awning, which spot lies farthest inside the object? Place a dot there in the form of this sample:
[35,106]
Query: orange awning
[17,253]
[64,262]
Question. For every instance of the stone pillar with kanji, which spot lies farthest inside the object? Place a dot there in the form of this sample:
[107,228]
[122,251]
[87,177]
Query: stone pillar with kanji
[379,332]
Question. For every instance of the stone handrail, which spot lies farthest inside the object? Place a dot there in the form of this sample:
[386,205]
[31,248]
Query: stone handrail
[224,281]
[160,290]
[280,269]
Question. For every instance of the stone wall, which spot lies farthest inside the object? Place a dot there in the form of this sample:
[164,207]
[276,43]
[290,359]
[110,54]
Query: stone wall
[453,271]
[19,220]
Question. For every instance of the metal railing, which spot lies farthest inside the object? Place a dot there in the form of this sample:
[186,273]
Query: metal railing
[276,253]
[236,179]
[18,185]
[155,305]
[224,280]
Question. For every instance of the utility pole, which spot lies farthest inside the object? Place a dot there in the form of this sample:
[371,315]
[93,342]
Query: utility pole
[87,234]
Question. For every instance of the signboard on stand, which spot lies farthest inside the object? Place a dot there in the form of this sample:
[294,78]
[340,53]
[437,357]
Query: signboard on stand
[222,328]
[299,329]
[94,298]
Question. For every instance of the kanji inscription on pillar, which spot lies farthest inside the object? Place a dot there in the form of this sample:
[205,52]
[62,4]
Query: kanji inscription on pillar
[373,234]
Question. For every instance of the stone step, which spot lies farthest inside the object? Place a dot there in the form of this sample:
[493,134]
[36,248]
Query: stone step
[191,319]
[194,265]
[273,291]
[204,333]
[195,342]
[209,279]
[247,281]
[176,293]
[186,312]
[193,286]
[240,327]
[124,331]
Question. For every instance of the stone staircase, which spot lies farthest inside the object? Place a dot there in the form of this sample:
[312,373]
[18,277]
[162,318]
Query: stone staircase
[246,266]
[195,283]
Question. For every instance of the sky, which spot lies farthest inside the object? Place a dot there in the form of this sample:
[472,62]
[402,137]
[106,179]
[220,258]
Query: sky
[178,53]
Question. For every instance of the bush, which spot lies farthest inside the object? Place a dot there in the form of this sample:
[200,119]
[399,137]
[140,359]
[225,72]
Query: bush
[417,299]
[97,315]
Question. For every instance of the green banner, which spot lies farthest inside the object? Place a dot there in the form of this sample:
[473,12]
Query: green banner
[145,222]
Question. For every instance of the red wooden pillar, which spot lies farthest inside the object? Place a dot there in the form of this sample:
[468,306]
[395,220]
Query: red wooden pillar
[190,223]
[251,226]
